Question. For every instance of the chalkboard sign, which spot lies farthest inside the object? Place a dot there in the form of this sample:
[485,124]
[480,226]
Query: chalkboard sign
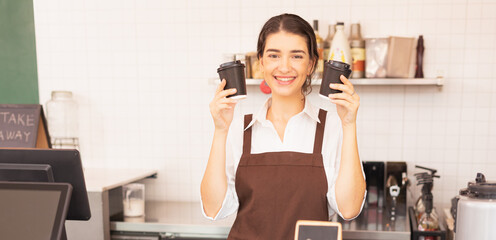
[18,67]
[318,230]
[23,126]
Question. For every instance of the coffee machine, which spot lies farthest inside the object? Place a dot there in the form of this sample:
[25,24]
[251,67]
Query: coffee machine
[386,187]
[385,203]
[395,189]
[374,177]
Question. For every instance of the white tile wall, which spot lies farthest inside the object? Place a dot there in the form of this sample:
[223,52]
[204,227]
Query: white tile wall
[139,72]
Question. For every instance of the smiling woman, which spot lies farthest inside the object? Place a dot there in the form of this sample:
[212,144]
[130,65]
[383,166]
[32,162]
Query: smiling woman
[291,160]
[286,69]
[297,27]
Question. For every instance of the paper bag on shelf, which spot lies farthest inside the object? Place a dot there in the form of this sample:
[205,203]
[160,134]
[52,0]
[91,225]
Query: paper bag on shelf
[399,57]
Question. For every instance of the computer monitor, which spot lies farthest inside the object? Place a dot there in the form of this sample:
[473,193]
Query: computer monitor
[26,172]
[33,210]
[66,167]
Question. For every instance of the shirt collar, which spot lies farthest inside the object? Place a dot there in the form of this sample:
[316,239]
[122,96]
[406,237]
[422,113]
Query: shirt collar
[261,116]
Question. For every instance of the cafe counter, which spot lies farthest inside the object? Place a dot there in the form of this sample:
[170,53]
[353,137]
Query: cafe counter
[104,188]
[184,220]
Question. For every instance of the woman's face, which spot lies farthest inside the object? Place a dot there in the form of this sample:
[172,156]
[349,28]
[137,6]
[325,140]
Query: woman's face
[286,63]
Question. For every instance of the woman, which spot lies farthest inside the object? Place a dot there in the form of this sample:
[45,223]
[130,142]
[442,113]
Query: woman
[290,161]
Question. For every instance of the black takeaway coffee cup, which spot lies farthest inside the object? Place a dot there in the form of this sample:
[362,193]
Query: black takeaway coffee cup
[332,71]
[234,73]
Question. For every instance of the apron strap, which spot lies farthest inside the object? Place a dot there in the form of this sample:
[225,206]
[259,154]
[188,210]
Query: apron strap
[319,132]
[247,135]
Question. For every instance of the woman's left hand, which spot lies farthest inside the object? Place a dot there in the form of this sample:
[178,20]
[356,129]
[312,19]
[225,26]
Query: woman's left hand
[346,102]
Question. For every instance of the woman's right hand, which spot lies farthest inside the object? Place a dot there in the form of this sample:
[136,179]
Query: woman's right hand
[222,108]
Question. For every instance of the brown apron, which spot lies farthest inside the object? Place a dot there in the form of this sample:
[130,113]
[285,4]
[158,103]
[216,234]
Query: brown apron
[275,189]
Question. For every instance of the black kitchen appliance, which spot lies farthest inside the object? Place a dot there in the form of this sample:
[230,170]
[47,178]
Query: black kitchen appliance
[374,177]
[382,211]
[386,186]
[395,188]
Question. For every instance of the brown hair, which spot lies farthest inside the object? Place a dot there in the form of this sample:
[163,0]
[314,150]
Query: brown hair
[291,23]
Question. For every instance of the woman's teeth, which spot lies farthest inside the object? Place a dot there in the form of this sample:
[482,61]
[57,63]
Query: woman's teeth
[285,79]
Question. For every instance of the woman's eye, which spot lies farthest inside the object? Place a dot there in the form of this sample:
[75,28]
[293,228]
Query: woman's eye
[298,56]
[273,56]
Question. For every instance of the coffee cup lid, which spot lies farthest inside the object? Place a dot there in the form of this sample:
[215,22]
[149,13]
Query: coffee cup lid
[236,63]
[337,64]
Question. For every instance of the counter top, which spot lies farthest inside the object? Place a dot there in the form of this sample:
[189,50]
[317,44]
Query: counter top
[103,179]
[374,223]
[181,219]
[184,219]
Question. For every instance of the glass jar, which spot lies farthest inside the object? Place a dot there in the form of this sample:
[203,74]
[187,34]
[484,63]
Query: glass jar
[62,118]
[133,200]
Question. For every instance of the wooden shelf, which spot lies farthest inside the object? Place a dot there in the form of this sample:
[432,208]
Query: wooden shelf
[438,81]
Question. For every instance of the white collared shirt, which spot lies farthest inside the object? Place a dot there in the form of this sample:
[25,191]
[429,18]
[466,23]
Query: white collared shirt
[299,136]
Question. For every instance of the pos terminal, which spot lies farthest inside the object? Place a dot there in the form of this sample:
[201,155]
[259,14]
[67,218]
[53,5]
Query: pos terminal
[48,165]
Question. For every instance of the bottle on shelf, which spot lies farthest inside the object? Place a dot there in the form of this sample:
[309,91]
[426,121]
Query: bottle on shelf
[328,40]
[340,47]
[320,48]
[357,45]
[419,73]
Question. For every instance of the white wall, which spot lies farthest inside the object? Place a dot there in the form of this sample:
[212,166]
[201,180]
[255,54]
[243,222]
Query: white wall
[139,70]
